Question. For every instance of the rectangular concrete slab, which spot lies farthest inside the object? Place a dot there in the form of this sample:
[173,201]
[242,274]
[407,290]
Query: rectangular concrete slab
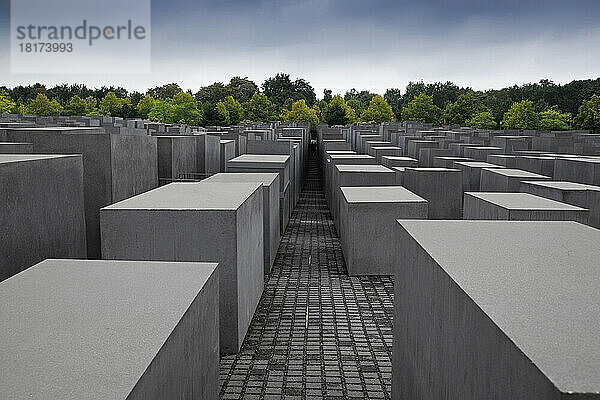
[448,162]
[504,160]
[496,310]
[271,226]
[506,179]
[393,161]
[520,207]
[216,222]
[41,210]
[16,148]
[73,329]
[471,173]
[176,157]
[577,194]
[580,170]
[367,215]
[441,187]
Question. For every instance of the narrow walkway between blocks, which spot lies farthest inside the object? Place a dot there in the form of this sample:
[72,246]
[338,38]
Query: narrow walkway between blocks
[317,333]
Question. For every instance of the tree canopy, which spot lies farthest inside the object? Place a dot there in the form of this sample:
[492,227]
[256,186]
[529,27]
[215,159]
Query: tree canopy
[421,109]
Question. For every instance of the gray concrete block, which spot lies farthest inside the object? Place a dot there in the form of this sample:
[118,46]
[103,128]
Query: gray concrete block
[510,144]
[399,175]
[73,329]
[415,146]
[358,175]
[176,157]
[496,310]
[577,194]
[208,154]
[471,173]
[115,167]
[367,215]
[215,222]
[441,187]
[448,162]
[277,163]
[227,153]
[427,155]
[379,152]
[520,207]
[375,143]
[536,164]
[42,210]
[16,148]
[506,179]
[459,148]
[580,170]
[393,161]
[480,153]
[271,225]
[341,159]
[504,160]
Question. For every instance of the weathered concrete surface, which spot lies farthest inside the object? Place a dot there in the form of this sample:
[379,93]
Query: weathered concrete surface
[378,152]
[580,170]
[271,225]
[367,215]
[42,213]
[72,329]
[480,153]
[520,207]
[428,155]
[448,162]
[115,167]
[198,222]
[471,173]
[504,160]
[392,161]
[341,159]
[208,153]
[536,164]
[496,310]
[459,148]
[16,148]
[506,179]
[227,153]
[176,156]
[441,187]
[278,163]
[358,175]
[577,194]
[415,146]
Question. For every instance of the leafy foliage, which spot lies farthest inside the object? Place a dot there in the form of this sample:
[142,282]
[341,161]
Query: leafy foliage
[379,111]
[259,108]
[338,112]
[552,119]
[280,88]
[589,114]
[232,109]
[43,106]
[145,106]
[301,112]
[521,115]
[421,109]
[482,120]
[460,111]
[7,105]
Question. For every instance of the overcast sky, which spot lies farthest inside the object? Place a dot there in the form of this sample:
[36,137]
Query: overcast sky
[372,45]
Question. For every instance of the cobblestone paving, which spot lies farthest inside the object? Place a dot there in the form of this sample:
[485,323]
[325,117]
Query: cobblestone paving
[317,333]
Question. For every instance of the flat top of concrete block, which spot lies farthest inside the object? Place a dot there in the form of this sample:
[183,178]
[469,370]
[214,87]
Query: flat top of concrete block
[537,157]
[163,137]
[89,329]
[466,144]
[380,194]
[487,148]
[261,158]
[226,141]
[583,160]
[385,147]
[399,169]
[425,170]
[57,128]
[350,156]
[536,280]
[562,185]
[478,164]
[363,168]
[523,201]
[335,140]
[266,178]
[561,155]
[399,158]
[190,196]
[9,158]
[516,173]
[503,155]
[15,143]
[452,158]
[423,141]
[340,152]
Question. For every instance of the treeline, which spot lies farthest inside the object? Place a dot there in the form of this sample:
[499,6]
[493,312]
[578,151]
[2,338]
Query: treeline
[543,105]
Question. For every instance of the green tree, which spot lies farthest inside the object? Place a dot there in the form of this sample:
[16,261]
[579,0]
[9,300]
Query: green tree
[242,89]
[43,106]
[421,109]
[460,111]
[212,116]
[280,88]
[259,109]
[379,111]
[588,116]
[183,98]
[162,111]
[521,115]
[145,106]
[394,99]
[112,105]
[301,112]
[75,106]
[338,112]
[7,105]
[552,119]
[213,93]
[327,95]
[164,92]
[234,109]
[91,106]
[482,120]
[355,105]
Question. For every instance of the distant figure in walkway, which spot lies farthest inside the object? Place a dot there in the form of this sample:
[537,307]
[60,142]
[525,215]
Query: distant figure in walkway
[313,147]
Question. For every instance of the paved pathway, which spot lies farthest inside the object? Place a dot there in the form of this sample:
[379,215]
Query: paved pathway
[317,333]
